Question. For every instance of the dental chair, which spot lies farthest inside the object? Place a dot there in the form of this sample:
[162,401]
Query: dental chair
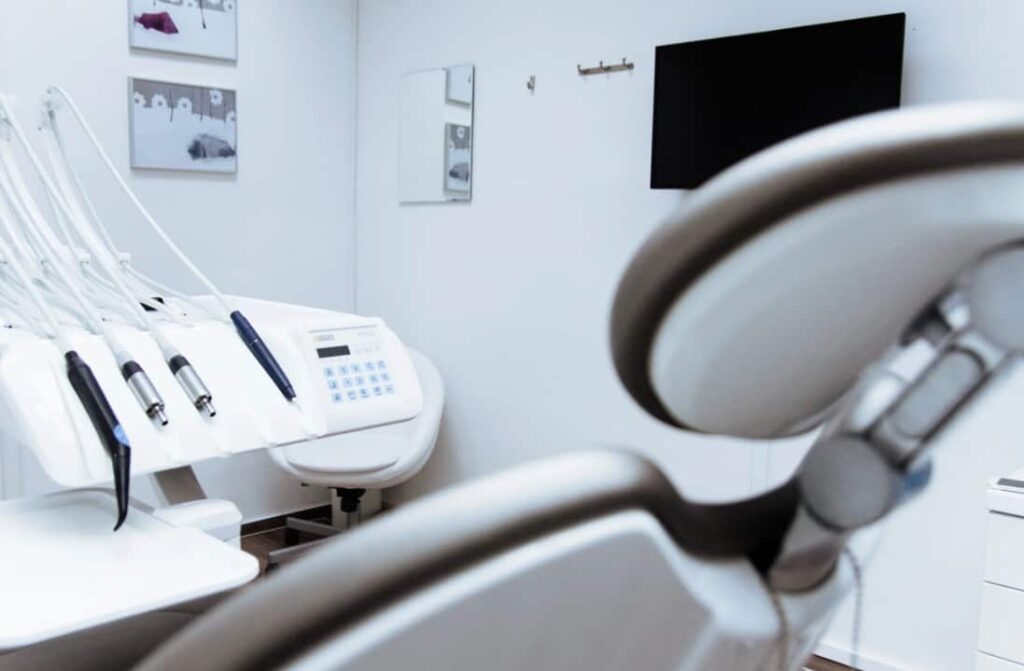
[865,281]
[352,463]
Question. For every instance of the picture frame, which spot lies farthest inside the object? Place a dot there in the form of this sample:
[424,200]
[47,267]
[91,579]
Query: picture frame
[458,155]
[182,126]
[204,28]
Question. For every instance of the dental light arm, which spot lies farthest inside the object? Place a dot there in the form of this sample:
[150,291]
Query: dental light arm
[246,331]
[877,451]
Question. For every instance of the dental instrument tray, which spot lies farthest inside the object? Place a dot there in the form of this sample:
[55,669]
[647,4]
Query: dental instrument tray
[349,373]
[157,565]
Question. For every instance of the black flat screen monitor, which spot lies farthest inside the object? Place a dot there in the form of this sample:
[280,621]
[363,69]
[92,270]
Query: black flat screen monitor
[718,101]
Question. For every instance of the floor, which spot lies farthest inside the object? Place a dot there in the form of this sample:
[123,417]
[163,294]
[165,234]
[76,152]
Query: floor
[262,543]
[261,539]
[821,664]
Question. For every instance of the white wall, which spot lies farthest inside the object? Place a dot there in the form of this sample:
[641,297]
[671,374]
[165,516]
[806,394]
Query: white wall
[510,294]
[282,228]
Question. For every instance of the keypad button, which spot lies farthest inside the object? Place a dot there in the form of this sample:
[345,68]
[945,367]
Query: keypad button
[385,377]
[328,372]
[356,368]
[374,379]
[381,365]
[342,370]
[377,391]
[336,398]
[389,389]
[347,382]
[370,366]
[360,380]
[351,396]
[332,384]
[364,392]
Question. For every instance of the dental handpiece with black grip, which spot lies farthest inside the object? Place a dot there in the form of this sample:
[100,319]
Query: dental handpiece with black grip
[107,426]
[193,385]
[259,349]
[145,392]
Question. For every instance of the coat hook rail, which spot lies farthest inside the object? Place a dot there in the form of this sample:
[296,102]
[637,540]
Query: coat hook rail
[602,68]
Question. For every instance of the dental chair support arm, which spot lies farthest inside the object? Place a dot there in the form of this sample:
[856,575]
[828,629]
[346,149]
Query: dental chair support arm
[877,448]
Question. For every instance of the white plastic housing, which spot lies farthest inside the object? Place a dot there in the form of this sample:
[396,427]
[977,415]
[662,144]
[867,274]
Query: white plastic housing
[39,410]
[378,458]
[65,570]
[216,517]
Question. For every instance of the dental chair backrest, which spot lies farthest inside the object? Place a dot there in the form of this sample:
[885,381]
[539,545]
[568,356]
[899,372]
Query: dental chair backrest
[755,307]
[592,560]
[572,562]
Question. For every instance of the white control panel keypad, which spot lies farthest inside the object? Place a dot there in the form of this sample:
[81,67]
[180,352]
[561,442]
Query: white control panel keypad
[355,368]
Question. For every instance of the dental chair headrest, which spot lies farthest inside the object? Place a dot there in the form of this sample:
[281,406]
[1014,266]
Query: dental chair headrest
[753,308]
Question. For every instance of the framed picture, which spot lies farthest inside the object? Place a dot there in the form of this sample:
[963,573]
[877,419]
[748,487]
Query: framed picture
[183,127]
[458,154]
[198,27]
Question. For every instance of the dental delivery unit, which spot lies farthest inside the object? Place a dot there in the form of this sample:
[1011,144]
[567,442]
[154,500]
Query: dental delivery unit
[107,374]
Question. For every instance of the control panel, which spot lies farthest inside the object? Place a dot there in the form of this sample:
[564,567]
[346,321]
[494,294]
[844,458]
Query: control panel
[363,376]
[355,365]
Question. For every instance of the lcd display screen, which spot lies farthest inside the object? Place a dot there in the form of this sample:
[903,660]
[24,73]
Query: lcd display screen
[328,352]
[718,101]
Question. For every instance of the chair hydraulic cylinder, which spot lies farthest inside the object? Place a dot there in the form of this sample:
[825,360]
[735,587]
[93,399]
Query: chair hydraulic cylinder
[107,426]
[262,353]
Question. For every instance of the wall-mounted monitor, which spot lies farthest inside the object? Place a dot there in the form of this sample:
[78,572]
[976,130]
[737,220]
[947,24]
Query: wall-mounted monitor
[717,101]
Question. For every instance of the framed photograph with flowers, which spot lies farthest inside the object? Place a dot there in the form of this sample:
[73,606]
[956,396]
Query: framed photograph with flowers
[183,127]
[207,28]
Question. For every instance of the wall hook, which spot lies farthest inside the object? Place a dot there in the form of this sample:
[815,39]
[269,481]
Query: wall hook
[601,68]
[531,83]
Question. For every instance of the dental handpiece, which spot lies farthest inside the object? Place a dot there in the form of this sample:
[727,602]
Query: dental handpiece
[193,385]
[259,349]
[146,394]
[107,426]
